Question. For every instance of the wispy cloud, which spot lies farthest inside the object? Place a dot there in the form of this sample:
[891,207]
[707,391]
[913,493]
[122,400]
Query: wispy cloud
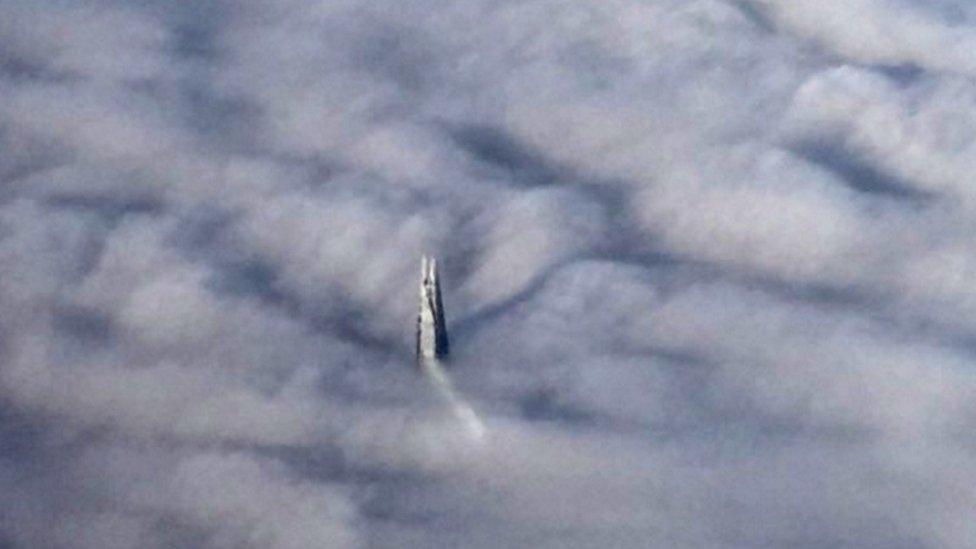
[709,269]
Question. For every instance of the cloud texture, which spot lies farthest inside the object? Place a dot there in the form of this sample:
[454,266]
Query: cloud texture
[709,267]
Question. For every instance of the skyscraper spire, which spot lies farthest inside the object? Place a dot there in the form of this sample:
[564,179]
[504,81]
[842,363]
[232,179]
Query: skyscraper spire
[431,327]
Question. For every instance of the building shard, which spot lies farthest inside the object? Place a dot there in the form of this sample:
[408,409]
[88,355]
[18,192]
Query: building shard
[431,327]
[432,348]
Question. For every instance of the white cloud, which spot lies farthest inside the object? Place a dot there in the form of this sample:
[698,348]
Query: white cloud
[886,32]
[708,269]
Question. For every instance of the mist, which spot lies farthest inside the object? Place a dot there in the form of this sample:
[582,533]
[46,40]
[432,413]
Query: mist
[708,266]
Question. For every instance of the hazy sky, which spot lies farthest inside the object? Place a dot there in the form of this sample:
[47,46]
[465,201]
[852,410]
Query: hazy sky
[709,268]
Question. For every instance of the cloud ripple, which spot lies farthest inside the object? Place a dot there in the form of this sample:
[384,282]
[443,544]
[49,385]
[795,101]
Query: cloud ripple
[709,266]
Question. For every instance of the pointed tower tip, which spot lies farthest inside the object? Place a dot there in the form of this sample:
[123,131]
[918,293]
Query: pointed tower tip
[431,325]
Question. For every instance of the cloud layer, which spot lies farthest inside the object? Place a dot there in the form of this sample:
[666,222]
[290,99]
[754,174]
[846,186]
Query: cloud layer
[709,271]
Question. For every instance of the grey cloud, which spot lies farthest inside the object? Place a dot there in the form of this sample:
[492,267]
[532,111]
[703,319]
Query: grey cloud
[885,32]
[708,271]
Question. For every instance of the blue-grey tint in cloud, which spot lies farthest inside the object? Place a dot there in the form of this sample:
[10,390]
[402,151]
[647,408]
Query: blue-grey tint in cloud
[709,269]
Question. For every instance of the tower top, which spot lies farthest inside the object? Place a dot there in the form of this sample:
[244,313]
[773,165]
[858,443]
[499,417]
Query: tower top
[431,325]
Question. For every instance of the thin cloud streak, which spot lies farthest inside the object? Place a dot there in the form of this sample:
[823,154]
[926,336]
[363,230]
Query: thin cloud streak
[709,268]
